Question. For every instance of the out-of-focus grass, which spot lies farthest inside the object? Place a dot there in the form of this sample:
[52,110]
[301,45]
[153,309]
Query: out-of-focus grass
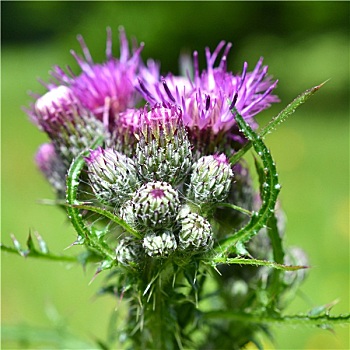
[312,156]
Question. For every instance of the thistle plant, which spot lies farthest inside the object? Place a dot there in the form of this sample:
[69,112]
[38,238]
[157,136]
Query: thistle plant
[151,172]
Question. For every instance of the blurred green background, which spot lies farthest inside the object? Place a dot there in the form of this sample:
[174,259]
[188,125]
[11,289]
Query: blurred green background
[304,44]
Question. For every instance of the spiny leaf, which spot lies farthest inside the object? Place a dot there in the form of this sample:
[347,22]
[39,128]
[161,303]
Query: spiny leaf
[323,309]
[256,262]
[275,121]
[301,320]
[289,110]
[270,190]
[32,252]
[42,244]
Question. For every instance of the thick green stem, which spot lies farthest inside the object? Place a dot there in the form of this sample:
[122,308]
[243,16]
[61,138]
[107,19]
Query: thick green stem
[156,325]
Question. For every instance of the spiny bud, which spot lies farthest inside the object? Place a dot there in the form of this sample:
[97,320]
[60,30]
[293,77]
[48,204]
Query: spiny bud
[129,251]
[156,204]
[112,176]
[126,212]
[71,127]
[210,180]
[159,245]
[196,232]
[164,151]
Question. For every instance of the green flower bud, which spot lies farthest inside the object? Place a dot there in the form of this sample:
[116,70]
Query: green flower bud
[156,205]
[159,245]
[164,151]
[195,233]
[129,251]
[112,175]
[210,180]
[126,212]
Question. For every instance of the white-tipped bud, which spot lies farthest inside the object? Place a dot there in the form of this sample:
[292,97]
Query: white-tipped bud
[112,176]
[159,245]
[196,233]
[156,205]
[210,180]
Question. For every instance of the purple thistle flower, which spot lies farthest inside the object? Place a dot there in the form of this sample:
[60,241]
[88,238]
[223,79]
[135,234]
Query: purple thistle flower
[70,126]
[163,152]
[109,88]
[207,99]
[55,109]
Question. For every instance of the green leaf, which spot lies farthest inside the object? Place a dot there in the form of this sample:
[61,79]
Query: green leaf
[275,121]
[289,110]
[297,320]
[323,309]
[32,252]
[270,191]
[255,262]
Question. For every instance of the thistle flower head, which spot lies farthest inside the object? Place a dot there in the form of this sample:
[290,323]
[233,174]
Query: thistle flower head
[109,88]
[210,180]
[54,108]
[208,99]
[195,233]
[112,176]
[156,205]
[164,151]
[70,126]
[123,137]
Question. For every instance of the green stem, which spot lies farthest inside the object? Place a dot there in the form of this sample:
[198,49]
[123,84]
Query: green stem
[324,320]
[109,215]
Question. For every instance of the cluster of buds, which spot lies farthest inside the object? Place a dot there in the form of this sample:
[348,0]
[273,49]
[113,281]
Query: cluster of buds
[147,190]
[159,168]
